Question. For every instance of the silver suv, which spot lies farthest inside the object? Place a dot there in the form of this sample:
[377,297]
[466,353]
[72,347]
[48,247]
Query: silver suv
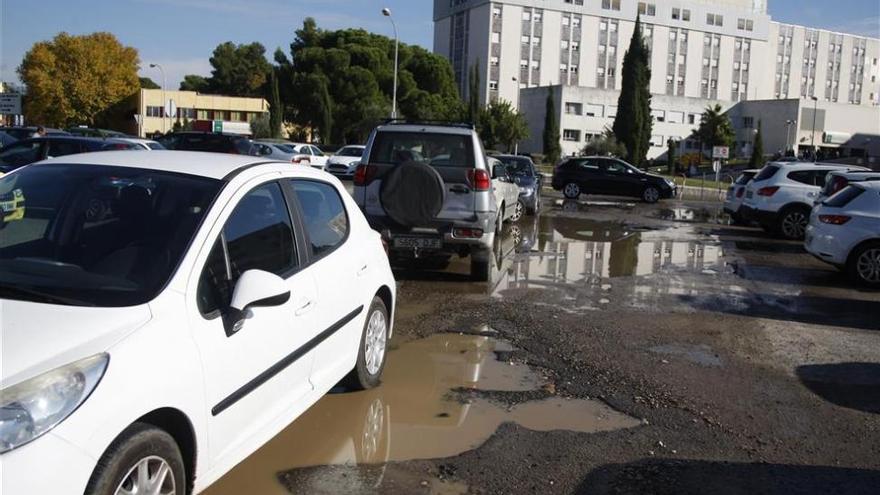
[429,190]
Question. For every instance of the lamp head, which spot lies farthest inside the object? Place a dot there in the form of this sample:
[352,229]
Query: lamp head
[386,12]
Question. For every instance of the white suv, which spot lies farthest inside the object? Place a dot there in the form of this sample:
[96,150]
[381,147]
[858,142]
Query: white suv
[844,231]
[781,196]
[164,314]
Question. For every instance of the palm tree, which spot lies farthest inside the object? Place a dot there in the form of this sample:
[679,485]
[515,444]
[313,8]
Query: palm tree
[715,129]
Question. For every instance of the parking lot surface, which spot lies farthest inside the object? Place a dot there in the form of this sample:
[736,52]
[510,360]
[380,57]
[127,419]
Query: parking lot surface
[618,348]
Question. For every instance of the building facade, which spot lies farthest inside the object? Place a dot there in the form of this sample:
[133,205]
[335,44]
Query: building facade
[231,114]
[701,52]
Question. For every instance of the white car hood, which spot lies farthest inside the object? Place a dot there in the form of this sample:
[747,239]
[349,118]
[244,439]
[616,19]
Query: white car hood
[343,160]
[36,337]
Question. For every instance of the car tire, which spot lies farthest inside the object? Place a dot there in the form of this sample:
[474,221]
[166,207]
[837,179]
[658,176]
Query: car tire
[863,265]
[140,446]
[519,210]
[792,223]
[535,209]
[651,194]
[481,260]
[571,190]
[367,371]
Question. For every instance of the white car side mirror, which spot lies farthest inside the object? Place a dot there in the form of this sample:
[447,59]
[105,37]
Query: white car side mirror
[256,288]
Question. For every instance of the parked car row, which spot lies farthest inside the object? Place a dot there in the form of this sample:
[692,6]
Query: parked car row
[834,208]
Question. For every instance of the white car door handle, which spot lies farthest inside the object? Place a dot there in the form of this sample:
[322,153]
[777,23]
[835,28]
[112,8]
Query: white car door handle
[362,271]
[305,308]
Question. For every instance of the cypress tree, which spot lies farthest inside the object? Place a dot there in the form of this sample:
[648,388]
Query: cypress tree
[552,148]
[275,109]
[633,123]
[474,94]
[757,158]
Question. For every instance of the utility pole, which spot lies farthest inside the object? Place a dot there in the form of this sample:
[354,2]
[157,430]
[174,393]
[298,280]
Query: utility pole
[164,98]
[387,13]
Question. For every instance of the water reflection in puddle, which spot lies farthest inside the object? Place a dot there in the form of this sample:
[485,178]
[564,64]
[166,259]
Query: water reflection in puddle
[697,215]
[412,415]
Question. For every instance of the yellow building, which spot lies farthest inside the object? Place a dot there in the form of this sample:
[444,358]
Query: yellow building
[230,114]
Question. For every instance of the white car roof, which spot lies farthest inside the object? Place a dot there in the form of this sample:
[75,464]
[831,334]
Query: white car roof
[136,140]
[857,174]
[213,165]
[871,185]
[435,129]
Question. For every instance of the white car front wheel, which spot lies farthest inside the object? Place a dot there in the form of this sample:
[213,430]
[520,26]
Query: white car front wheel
[371,353]
[864,264]
[143,459]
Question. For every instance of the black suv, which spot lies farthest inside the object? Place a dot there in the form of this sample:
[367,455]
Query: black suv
[27,151]
[208,141]
[609,176]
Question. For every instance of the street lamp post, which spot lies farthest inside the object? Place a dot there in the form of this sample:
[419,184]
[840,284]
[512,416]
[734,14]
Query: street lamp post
[813,134]
[516,109]
[164,102]
[387,13]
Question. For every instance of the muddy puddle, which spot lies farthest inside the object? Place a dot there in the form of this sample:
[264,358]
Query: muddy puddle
[412,415]
[694,215]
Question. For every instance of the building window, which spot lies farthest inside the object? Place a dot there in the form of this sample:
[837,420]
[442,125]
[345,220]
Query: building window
[749,122]
[496,37]
[571,135]
[574,108]
[155,111]
[715,20]
[686,15]
[575,46]
[527,15]
[657,141]
[576,22]
[611,4]
[496,12]
[646,8]
[493,61]
[676,14]
[493,85]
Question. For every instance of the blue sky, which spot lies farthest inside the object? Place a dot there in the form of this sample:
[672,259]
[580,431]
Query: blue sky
[181,34]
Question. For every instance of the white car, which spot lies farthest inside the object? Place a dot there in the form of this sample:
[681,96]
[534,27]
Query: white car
[506,191]
[345,161]
[142,144]
[164,314]
[301,154]
[736,192]
[781,196]
[844,231]
[837,180]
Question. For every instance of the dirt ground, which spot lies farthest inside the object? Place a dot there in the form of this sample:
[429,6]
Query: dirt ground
[744,365]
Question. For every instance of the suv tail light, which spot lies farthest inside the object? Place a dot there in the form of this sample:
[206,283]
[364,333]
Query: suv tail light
[768,191]
[479,179]
[364,174]
[834,219]
[740,191]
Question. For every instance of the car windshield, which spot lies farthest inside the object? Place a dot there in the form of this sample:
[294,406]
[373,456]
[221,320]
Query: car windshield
[766,173]
[350,151]
[96,235]
[155,146]
[285,148]
[517,166]
[744,178]
[437,150]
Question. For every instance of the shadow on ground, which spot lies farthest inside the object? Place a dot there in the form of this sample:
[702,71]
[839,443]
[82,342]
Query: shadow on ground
[682,477]
[852,385]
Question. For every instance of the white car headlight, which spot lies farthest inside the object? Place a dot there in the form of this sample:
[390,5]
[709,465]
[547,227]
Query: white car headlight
[31,408]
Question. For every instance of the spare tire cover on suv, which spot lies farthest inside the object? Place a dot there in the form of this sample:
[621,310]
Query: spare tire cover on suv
[412,194]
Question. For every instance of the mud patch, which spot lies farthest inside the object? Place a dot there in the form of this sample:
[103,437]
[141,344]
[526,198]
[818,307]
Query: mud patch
[698,354]
[414,415]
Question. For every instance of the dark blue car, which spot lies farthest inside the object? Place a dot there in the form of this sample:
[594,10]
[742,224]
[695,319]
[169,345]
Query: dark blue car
[524,174]
[32,150]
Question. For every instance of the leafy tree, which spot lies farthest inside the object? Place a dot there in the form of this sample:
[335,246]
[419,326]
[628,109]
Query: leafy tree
[340,82]
[606,144]
[501,124]
[633,123]
[193,82]
[552,148]
[276,110]
[671,149]
[260,127]
[147,83]
[715,128]
[239,70]
[757,158]
[474,94]
[74,79]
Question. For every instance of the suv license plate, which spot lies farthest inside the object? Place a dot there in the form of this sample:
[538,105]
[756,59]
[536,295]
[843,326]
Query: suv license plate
[417,242]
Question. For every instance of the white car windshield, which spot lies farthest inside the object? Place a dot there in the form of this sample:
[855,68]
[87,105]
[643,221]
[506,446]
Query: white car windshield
[96,235]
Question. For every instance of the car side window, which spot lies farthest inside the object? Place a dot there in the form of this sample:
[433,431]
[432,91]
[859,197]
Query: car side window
[324,215]
[613,167]
[21,153]
[62,147]
[257,236]
[820,176]
[803,176]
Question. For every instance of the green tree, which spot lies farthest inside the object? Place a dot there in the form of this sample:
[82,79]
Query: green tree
[239,70]
[147,83]
[260,127]
[552,148]
[193,82]
[501,124]
[757,158]
[671,149]
[473,107]
[633,122]
[73,80]
[276,110]
[715,129]
[606,144]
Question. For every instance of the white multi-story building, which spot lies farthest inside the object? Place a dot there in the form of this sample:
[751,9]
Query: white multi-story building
[702,51]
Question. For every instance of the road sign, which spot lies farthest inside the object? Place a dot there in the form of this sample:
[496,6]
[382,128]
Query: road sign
[721,152]
[170,108]
[218,126]
[10,104]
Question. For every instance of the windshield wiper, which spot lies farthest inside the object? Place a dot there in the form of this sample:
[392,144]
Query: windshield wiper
[32,295]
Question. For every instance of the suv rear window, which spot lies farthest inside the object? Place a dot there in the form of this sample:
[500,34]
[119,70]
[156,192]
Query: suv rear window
[766,173]
[744,178]
[437,150]
[844,197]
